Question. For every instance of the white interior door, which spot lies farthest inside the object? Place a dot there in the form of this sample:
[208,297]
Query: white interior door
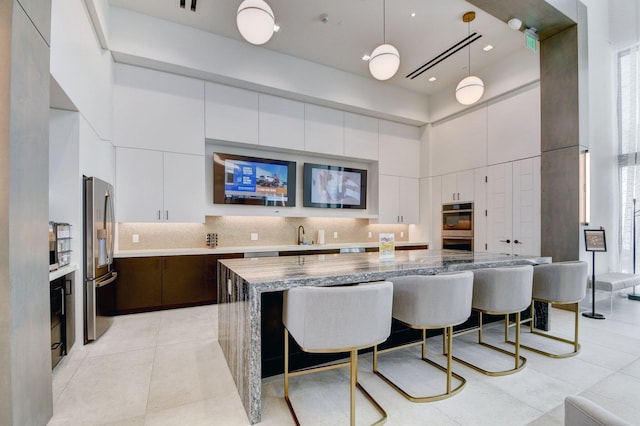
[526,206]
[499,208]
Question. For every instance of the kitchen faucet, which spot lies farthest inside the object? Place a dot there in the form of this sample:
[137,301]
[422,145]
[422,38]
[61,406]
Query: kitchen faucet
[301,240]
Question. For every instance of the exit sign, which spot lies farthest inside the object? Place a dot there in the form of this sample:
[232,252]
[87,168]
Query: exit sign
[531,40]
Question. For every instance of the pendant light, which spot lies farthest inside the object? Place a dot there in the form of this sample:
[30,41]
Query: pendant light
[471,88]
[255,21]
[385,59]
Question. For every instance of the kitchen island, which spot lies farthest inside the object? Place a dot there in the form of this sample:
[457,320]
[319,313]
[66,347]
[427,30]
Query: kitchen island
[243,281]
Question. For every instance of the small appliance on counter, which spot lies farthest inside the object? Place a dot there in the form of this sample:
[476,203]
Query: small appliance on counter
[99,232]
[59,245]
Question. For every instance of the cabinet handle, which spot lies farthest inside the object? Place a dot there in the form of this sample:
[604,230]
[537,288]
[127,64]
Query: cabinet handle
[158,214]
[517,242]
[453,196]
[62,295]
[166,215]
[458,196]
[505,241]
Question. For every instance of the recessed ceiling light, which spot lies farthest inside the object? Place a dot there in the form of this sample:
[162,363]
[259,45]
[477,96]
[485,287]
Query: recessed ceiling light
[432,78]
[413,14]
[487,48]
[366,57]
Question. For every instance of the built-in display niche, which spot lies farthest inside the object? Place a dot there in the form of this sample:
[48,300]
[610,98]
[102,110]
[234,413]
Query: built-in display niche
[239,179]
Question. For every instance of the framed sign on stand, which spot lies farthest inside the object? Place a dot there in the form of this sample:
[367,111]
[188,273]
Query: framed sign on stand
[594,240]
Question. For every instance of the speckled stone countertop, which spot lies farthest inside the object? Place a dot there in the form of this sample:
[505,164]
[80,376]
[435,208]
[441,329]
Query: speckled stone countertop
[242,281]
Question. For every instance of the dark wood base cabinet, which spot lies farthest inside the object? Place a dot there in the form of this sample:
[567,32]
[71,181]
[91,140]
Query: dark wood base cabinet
[162,282]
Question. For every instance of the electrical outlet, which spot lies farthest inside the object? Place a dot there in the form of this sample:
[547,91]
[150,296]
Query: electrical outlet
[401,234]
[135,238]
[254,236]
[335,235]
[370,234]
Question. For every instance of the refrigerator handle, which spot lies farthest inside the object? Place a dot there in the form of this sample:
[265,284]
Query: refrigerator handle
[109,218]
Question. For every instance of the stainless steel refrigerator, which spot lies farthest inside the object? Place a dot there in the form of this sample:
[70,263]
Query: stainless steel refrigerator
[99,276]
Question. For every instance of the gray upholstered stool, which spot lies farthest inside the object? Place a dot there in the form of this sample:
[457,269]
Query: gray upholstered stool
[337,319]
[501,291]
[430,302]
[559,283]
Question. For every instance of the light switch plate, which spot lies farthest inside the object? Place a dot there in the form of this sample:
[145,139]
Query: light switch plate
[335,235]
[135,238]
[254,236]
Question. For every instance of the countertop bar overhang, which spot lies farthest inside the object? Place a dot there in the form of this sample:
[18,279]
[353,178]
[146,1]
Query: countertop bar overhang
[242,281]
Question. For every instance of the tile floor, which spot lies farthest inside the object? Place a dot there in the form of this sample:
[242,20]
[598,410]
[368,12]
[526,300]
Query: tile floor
[166,368]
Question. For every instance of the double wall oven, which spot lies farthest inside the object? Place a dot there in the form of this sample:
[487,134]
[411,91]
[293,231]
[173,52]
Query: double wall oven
[457,226]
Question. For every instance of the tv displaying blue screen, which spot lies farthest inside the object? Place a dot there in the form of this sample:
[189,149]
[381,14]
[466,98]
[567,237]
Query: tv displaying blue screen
[238,179]
[334,187]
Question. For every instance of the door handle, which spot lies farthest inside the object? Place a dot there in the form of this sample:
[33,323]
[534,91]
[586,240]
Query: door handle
[505,241]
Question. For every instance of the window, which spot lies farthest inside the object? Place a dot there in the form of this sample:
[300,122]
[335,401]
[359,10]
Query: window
[628,67]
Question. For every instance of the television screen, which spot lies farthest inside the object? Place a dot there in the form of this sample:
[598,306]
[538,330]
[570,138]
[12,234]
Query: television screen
[334,187]
[238,179]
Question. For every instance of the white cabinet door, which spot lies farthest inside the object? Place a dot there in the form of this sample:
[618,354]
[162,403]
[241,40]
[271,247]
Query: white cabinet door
[499,206]
[157,110]
[388,199]
[184,192]
[398,199]
[152,186]
[514,127]
[409,200]
[465,183]
[360,136]
[526,206]
[479,209]
[231,114]
[458,186]
[323,130]
[281,123]
[139,188]
[449,187]
[399,153]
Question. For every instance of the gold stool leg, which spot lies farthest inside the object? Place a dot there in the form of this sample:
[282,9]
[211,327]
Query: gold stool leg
[517,355]
[479,327]
[353,380]
[449,332]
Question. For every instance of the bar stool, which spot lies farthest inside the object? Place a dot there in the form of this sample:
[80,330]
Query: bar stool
[500,291]
[430,302]
[561,283]
[337,319]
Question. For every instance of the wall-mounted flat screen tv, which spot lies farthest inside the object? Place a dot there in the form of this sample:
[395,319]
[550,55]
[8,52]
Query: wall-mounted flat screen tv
[334,187]
[238,179]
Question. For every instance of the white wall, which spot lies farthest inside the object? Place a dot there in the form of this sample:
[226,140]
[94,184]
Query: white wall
[613,24]
[80,66]
[146,41]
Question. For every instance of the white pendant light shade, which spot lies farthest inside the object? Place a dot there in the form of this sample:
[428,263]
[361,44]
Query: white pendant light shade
[384,62]
[469,90]
[255,21]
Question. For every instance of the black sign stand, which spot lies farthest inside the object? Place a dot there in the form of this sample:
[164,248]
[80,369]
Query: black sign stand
[594,241]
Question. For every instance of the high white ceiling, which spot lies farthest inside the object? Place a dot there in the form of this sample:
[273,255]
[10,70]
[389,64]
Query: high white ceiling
[355,27]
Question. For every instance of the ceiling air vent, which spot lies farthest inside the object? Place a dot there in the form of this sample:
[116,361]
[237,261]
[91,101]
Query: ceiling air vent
[444,55]
[183,4]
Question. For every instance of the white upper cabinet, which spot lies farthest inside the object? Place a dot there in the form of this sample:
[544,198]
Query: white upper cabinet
[183,188]
[281,123]
[514,127]
[231,114]
[323,130]
[458,186]
[459,144]
[360,136]
[399,150]
[155,186]
[398,199]
[157,110]
[139,185]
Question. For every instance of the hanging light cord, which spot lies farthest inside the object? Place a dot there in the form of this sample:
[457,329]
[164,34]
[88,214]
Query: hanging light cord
[384,21]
